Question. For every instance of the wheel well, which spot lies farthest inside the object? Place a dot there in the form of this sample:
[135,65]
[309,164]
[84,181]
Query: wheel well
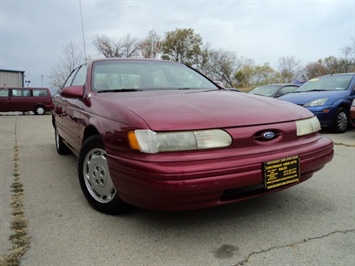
[39,105]
[345,106]
[89,131]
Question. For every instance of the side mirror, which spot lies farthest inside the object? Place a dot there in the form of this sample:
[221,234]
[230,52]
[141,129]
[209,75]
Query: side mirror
[76,91]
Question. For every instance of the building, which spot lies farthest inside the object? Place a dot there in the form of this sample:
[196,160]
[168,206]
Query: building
[12,78]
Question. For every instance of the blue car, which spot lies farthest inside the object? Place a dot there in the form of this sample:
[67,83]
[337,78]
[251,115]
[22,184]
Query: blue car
[329,98]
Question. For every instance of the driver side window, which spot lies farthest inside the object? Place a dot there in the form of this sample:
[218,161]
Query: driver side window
[80,77]
[77,77]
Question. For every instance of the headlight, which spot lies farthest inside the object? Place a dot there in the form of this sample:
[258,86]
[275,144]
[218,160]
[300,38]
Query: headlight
[149,141]
[307,126]
[353,104]
[317,102]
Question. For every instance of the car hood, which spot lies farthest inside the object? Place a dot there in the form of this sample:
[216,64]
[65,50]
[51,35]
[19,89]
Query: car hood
[302,98]
[184,110]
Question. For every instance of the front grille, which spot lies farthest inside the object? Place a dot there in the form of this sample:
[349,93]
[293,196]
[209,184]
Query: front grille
[241,192]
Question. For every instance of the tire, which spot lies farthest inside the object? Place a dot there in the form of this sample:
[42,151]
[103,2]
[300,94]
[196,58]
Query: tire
[341,121]
[95,179]
[60,146]
[39,110]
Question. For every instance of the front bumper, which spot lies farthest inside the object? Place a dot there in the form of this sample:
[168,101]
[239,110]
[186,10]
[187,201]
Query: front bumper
[184,183]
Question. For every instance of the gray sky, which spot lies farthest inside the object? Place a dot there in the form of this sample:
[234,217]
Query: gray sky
[33,32]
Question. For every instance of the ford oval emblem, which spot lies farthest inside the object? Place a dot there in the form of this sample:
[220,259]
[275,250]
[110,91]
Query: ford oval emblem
[268,135]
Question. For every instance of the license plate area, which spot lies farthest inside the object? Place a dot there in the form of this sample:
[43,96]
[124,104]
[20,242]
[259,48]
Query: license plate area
[281,172]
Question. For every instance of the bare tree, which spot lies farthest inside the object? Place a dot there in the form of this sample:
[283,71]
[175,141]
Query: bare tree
[126,47]
[203,60]
[130,46]
[315,69]
[349,56]
[107,46]
[289,68]
[335,65]
[328,65]
[72,57]
[221,66]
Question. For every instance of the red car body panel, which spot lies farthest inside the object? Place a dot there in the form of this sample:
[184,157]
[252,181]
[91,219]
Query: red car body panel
[189,179]
[352,114]
[168,110]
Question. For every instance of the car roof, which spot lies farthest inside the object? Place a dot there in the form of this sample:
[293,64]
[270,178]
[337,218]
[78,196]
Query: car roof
[133,59]
[24,88]
[338,74]
[280,84]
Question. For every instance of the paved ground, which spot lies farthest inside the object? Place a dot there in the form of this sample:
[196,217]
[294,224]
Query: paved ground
[310,224]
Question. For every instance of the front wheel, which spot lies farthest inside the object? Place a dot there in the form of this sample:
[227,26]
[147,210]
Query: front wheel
[39,110]
[95,179]
[341,121]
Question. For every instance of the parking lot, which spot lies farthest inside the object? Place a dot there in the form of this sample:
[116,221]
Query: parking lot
[310,224]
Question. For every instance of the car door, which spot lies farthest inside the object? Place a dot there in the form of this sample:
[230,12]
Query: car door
[68,111]
[21,99]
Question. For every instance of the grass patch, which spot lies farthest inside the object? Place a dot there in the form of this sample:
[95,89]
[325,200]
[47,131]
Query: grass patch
[20,239]
[342,144]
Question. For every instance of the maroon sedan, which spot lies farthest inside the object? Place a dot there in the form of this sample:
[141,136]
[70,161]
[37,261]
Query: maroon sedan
[159,135]
[352,113]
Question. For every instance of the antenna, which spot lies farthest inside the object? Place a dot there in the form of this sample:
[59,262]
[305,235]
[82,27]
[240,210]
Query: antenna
[82,30]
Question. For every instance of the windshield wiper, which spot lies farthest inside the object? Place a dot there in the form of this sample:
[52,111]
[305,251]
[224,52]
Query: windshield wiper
[312,90]
[119,90]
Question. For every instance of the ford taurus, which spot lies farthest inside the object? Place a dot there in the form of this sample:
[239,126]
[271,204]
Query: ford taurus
[159,135]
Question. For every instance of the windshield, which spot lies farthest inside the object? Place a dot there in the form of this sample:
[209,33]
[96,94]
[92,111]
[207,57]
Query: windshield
[327,83]
[268,90]
[140,75]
